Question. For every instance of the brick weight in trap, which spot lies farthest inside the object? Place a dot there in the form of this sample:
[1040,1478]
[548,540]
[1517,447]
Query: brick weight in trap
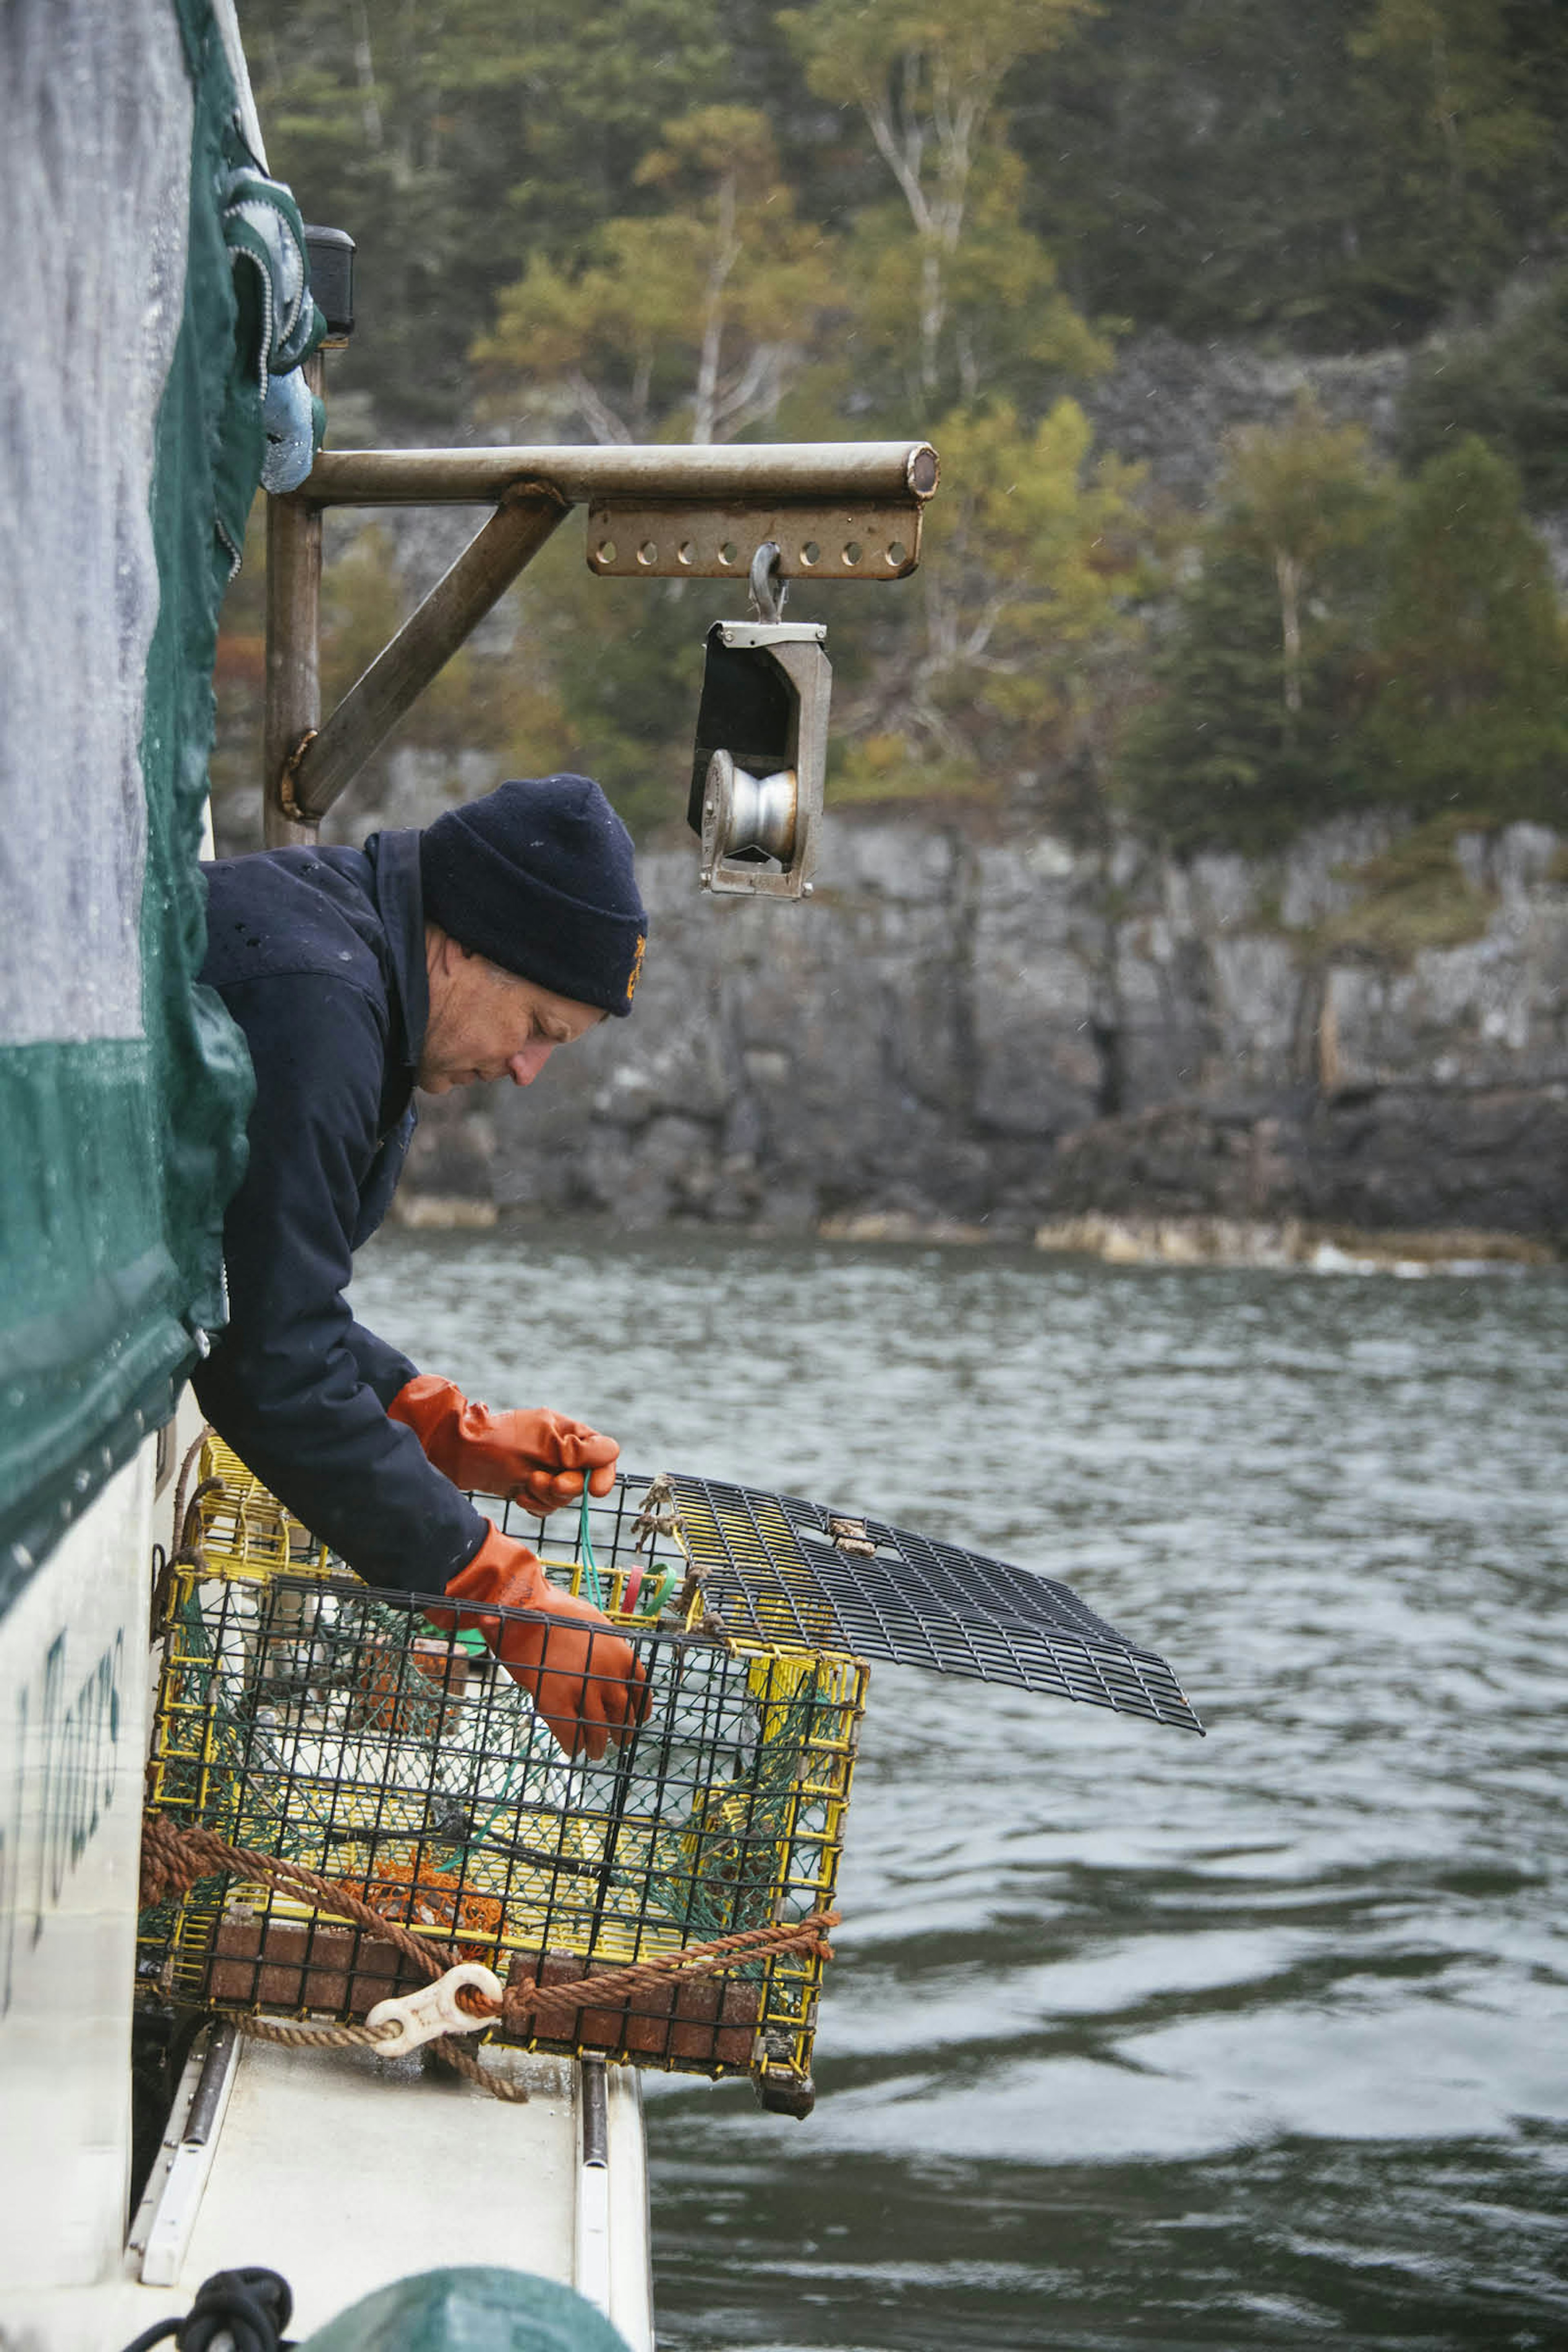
[304,1718]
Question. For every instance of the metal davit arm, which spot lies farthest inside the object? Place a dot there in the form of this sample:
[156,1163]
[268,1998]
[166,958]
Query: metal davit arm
[880,472]
[836,510]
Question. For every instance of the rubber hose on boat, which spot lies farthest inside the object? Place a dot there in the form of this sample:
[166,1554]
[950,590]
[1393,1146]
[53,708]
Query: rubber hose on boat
[250,2307]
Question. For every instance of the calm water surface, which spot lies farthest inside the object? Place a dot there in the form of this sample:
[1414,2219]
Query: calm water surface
[1135,2040]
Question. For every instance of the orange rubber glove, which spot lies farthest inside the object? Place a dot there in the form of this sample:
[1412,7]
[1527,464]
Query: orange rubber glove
[536,1459]
[584,1679]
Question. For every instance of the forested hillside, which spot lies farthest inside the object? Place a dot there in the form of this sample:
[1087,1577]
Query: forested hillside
[974,219]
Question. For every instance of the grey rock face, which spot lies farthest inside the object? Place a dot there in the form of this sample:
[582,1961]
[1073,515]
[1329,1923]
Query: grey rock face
[964,1025]
[1170,406]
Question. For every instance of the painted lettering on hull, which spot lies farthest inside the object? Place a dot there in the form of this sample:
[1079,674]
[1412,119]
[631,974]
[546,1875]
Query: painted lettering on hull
[64,1784]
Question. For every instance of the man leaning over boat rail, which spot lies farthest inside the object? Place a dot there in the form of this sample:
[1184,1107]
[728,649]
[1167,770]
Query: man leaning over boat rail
[474,948]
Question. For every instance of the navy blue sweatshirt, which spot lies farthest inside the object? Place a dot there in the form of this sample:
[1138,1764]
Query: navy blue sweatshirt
[320,956]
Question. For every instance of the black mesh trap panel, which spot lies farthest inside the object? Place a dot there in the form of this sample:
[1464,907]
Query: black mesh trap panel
[775,1569]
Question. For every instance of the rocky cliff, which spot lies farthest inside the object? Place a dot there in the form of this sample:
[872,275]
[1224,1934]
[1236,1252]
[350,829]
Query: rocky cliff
[981,1030]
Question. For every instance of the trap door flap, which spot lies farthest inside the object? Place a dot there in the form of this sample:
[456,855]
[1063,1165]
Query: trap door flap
[776,1568]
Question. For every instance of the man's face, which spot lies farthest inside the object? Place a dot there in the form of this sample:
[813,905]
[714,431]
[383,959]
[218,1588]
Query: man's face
[488,1023]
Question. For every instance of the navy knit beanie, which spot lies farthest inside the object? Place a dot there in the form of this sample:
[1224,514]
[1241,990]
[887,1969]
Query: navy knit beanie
[538,877]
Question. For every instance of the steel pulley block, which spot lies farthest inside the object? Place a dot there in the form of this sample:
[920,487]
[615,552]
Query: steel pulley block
[761,754]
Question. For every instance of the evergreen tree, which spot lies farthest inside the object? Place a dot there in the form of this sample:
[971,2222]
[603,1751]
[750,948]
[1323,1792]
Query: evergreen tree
[1509,383]
[1209,763]
[454,140]
[1193,164]
[1339,174]
[1251,731]
[1450,132]
[1471,689]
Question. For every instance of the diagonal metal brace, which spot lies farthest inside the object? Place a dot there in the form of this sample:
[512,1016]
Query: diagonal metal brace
[321,767]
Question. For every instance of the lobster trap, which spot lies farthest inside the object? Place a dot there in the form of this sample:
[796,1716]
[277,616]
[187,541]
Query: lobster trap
[303,1716]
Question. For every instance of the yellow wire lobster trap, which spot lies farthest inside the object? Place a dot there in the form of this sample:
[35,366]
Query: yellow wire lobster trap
[301,1716]
[305,1717]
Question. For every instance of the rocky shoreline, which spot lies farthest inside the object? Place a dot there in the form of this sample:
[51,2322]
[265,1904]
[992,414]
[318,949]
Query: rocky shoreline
[1206,1242]
[975,1030]
[1290,1244]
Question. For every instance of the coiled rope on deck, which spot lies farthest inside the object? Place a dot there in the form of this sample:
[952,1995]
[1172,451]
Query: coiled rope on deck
[242,2311]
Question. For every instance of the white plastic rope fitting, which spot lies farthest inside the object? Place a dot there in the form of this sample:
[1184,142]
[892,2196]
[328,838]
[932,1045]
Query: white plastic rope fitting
[432,2009]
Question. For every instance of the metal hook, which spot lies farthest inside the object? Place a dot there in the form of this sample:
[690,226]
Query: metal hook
[768,590]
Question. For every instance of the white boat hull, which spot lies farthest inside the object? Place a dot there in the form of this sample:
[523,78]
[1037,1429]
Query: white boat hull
[340,2171]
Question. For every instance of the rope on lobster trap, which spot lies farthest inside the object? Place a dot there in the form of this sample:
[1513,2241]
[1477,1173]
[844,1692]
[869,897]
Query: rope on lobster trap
[528,1999]
[175,1855]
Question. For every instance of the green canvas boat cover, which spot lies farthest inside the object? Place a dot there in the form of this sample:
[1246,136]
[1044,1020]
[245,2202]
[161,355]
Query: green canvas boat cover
[154,308]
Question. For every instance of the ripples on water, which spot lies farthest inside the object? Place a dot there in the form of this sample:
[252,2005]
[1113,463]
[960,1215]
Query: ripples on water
[1133,2040]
